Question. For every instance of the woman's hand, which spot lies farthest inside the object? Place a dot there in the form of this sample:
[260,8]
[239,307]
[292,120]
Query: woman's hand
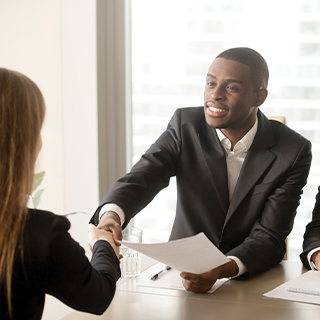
[110,221]
[96,234]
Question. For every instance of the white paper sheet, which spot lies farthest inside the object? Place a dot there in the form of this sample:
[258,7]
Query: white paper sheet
[305,288]
[195,254]
[169,280]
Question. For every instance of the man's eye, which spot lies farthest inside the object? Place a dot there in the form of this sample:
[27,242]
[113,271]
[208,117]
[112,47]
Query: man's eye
[231,88]
[210,84]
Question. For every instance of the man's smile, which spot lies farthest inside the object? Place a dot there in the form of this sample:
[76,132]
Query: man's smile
[214,110]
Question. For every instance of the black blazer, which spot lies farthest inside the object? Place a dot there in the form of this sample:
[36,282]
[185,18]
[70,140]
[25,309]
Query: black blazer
[312,233]
[54,263]
[254,226]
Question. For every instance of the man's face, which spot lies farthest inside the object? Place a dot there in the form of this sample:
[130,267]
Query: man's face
[230,101]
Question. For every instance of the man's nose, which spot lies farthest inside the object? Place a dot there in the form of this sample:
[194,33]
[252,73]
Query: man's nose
[217,93]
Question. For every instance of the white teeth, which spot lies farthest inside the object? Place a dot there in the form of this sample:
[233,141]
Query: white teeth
[216,109]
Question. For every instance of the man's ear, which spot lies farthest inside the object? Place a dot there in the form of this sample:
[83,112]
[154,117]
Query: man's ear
[260,96]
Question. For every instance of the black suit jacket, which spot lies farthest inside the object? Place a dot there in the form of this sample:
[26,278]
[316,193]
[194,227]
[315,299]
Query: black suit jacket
[312,233]
[54,263]
[254,226]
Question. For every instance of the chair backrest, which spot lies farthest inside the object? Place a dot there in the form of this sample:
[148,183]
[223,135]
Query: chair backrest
[278,118]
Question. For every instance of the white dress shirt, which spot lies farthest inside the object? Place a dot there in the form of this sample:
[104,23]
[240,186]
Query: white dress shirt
[234,159]
[312,265]
[115,208]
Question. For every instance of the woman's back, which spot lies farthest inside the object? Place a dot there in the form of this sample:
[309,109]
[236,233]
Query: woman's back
[54,263]
[37,254]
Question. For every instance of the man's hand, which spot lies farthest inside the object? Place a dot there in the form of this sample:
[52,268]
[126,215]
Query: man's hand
[203,282]
[96,234]
[110,221]
[200,283]
[316,259]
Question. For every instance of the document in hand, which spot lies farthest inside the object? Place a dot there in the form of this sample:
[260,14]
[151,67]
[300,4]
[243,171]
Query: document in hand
[195,254]
[169,280]
[305,288]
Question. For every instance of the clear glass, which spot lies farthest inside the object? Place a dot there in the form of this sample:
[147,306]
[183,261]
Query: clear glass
[130,264]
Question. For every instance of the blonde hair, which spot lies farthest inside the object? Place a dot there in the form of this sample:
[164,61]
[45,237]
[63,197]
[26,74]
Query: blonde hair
[22,111]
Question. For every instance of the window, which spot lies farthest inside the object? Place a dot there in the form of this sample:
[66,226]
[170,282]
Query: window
[173,44]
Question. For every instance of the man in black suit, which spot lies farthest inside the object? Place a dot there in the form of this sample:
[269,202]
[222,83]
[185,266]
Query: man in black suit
[311,244]
[239,175]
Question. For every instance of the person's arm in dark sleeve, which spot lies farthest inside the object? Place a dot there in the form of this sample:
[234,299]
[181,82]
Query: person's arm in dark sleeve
[312,238]
[73,279]
[265,246]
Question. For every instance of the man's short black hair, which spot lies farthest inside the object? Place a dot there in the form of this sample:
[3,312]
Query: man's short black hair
[253,59]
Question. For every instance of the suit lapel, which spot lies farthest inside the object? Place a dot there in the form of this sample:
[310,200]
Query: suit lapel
[257,161]
[216,161]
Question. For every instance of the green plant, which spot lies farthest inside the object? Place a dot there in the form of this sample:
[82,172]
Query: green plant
[71,213]
[38,177]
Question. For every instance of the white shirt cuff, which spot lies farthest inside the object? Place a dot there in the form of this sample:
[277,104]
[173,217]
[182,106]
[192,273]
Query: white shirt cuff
[312,266]
[113,207]
[242,268]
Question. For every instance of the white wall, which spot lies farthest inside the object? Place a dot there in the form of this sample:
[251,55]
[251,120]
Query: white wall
[79,105]
[30,37]
[54,43]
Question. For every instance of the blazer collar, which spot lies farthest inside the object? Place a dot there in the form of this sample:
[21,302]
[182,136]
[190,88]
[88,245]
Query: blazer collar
[245,141]
[214,155]
[257,161]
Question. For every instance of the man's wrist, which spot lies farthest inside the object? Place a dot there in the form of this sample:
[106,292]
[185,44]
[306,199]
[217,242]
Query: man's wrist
[114,208]
[228,270]
[315,259]
[241,267]
[111,214]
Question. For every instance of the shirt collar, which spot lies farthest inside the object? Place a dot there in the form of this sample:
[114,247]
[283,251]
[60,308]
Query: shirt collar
[246,140]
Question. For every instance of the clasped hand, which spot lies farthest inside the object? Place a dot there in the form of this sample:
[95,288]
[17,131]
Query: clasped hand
[96,234]
[110,221]
[109,229]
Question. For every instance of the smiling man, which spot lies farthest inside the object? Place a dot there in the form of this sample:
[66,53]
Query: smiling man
[232,97]
[239,175]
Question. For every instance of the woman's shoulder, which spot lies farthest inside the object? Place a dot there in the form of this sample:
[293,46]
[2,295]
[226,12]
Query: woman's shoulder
[46,220]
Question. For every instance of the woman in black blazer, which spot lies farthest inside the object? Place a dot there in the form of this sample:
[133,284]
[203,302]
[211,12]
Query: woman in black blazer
[37,254]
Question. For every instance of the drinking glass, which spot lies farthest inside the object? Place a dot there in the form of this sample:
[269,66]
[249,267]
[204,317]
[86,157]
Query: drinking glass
[130,264]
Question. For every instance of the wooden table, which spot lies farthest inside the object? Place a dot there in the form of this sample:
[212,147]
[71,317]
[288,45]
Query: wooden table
[239,300]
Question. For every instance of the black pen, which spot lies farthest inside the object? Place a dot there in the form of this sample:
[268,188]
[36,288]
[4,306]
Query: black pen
[167,268]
